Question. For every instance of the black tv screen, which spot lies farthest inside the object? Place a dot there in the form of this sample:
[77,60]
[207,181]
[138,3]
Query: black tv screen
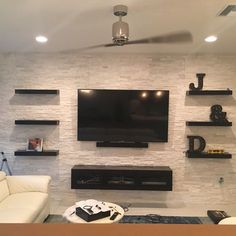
[123,115]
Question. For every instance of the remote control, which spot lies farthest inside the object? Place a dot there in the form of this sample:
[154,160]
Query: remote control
[114,215]
[90,211]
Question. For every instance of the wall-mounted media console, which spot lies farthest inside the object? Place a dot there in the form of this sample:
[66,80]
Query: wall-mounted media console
[121,177]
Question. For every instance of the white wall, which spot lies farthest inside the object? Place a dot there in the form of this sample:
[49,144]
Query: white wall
[195,181]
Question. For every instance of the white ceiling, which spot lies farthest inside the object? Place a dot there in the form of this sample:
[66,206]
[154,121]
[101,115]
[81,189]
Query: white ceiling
[74,24]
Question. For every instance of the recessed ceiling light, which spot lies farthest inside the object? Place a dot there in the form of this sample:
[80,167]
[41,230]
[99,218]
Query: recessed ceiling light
[41,39]
[211,39]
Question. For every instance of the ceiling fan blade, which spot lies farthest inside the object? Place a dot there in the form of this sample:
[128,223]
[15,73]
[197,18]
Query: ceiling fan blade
[175,37]
[97,46]
[110,45]
[82,49]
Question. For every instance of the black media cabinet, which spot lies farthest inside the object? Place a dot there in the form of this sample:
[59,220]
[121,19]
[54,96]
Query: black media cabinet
[121,177]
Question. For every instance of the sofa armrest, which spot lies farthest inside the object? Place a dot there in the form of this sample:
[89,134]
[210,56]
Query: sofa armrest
[28,183]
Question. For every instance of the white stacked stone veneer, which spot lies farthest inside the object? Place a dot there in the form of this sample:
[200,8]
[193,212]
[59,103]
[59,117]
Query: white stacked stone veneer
[195,181]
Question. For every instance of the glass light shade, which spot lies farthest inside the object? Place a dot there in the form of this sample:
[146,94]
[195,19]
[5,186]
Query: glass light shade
[120,30]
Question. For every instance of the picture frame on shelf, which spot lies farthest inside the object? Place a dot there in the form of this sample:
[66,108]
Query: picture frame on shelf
[35,144]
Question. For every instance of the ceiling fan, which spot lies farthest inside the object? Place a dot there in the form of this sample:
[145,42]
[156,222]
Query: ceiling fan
[120,33]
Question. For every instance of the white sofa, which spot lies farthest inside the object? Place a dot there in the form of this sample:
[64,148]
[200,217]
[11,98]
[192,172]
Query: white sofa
[228,221]
[24,199]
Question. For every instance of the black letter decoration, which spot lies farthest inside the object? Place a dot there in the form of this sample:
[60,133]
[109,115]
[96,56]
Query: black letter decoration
[217,115]
[202,143]
[200,77]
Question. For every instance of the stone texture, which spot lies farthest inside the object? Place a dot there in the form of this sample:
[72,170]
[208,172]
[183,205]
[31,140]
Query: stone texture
[195,182]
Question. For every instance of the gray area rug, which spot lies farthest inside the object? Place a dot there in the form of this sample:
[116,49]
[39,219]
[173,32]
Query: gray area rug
[145,219]
[157,219]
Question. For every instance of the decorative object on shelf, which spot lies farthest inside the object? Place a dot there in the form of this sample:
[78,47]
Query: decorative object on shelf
[217,115]
[199,152]
[200,77]
[198,90]
[35,144]
[215,151]
[202,143]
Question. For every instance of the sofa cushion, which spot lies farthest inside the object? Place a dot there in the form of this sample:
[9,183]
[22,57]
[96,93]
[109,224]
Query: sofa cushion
[28,183]
[4,191]
[18,215]
[22,207]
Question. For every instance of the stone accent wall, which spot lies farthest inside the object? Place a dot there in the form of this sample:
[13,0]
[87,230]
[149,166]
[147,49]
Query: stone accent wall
[195,181]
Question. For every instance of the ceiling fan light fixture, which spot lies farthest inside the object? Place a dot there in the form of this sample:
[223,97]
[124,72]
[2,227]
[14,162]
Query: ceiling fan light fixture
[120,29]
[120,32]
[120,10]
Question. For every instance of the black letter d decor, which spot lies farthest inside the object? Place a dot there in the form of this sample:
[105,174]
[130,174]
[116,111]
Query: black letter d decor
[202,143]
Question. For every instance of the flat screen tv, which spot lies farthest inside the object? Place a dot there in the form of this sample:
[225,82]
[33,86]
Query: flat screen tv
[123,115]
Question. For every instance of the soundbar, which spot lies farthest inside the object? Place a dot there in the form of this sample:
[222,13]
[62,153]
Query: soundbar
[122,144]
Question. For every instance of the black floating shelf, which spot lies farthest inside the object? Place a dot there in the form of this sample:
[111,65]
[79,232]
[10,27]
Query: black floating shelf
[35,153]
[37,122]
[207,123]
[225,155]
[36,91]
[209,92]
